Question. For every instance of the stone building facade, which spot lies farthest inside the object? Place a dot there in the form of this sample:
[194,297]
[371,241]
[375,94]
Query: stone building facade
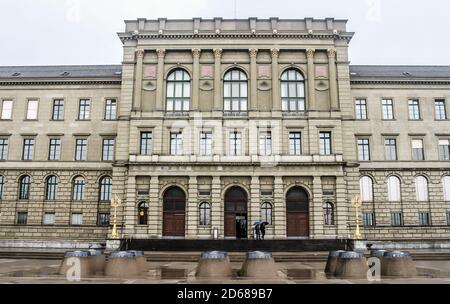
[209,126]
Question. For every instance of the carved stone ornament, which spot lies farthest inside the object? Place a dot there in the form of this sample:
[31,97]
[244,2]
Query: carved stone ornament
[161,53]
[275,53]
[206,85]
[331,53]
[310,53]
[217,53]
[149,86]
[196,52]
[140,53]
[264,85]
[253,52]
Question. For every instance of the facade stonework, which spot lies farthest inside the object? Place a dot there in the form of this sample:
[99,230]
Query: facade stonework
[217,124]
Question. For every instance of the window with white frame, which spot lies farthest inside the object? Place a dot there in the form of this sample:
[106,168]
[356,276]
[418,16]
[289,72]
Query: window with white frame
[421,188]
[28,149]
[368,219]
[80,149]
[235,142]
[49,218]
[396,219]
[51,190]
[32,109]
[105,189]
[414,109]
[390,147]
[24,187]
[446,184]
[77,219]
[361,109]
[295,143]
[394,189]
[205,214]
[178,91]
[328,214]
[22,218]
[235,91]
[292,91]
[205,143]
[444,149]
[2,184]
[387,106]
[417,149]
[366,189]
[54,149]
[424,219]
[78,188]
[103,219]
[84,109]
[146,143]
[176,143]
[108,149]
[266,213]
[7,106]
[110,109]
[440,111]
[3,148]
[363,149]
[58,109]
[325,143]
[265,143]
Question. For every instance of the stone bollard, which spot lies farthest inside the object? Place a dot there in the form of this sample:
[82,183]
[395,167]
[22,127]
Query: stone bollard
[214,264]
[98,261]
[121,264]
[141,260]
[70,262]
[399,264]
[259,264]
[332,261]
[380,255]
[351,265]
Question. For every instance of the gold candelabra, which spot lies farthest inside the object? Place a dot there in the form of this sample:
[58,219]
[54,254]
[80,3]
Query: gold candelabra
[357,203]
[115,203]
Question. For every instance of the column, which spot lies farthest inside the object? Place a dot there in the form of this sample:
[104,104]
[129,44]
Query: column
[253,80]
[196,79]
[341,208]
[279,208]
[161,53]
[138,80]
[129,202]
[316,214]
[217,79]
[192,209]
[311,79]
[276,104]
[333,79]
[216,207]
[155,210]
[254,206]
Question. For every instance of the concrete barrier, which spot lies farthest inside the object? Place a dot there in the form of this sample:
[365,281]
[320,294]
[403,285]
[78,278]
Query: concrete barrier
[98,261]
[333,256]
[351,265]
[141,260]
[74,259]
[259,264]
[214,264]
[399,264]
[380,255]
[122,264]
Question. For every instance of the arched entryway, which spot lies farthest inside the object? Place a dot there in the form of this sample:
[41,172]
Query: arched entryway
[174,212]
[236,213]
[297,212]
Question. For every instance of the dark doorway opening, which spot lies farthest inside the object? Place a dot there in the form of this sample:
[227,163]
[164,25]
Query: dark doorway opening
[236,213]
[174,213]
[297,212]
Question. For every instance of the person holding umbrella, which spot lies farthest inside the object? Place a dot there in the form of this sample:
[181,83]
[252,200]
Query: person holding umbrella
[262,229]
[257,230]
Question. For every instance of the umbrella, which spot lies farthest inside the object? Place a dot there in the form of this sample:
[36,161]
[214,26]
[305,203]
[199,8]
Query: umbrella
[258,223]
[265,223]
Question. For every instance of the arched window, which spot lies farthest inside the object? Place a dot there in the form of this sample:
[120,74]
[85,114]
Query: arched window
[143,213]
[266,213]
[446,183]
[421,189]
[178,91]
[2,183]
[394,192]
[51,188]
[205,214]
[366,188]
[105,189]
[78,188]
[235,91]
[328,214]
[24,187]
[292,91]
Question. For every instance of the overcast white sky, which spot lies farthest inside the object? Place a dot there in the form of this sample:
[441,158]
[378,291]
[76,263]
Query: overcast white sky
[50,32]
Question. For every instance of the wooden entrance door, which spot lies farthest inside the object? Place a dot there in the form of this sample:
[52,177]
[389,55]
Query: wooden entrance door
[174,213]
[297,215]
[235,213]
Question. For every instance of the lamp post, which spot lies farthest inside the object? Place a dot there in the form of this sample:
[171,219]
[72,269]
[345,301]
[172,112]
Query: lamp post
[115,202]
[357,203]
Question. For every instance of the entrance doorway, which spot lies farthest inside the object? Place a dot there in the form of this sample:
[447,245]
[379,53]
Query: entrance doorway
[174,212]
[297,212]
[236,213]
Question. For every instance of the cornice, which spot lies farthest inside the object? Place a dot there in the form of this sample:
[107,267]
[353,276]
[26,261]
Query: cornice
[58,82]
[399,82]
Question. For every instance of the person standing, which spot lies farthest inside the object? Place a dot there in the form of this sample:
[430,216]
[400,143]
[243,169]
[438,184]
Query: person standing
[258,231]
[262,230]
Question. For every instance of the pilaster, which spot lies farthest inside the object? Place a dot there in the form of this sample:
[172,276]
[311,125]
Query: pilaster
[138,80]
[316,214]
[192,209]
[196,79]
[216,206]
[276,102]
[161,53]
[253,80]
[279,209]
[311,80]
[333,79]
[217,79]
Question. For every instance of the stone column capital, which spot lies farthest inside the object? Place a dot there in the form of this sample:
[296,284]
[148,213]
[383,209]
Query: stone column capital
[196,53]
[253,53]
[217,53]
[310,53]
[161,53]
[140,54]
[275,53]
[331,53]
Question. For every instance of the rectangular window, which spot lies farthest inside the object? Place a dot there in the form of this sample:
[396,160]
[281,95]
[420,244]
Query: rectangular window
[265,143]
[325,143]
[205,143]
[444,149]
[176,143]
[439,105]
[49,218]
[414,109]
[58,109]
[417,149]
[22,218]
[388,109]
[448,218]
[28,149]
[3,148]
[84,110]
[235,143]
[103,219]
[396,219]
[110,109]
[368,219]
[424,218]
[363,149]
[108,149]
[295,143]
[81,149]
[390,147]
[361,109]
[32,109]
[146,143]
[55,149]
[77,219]
[7,106]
